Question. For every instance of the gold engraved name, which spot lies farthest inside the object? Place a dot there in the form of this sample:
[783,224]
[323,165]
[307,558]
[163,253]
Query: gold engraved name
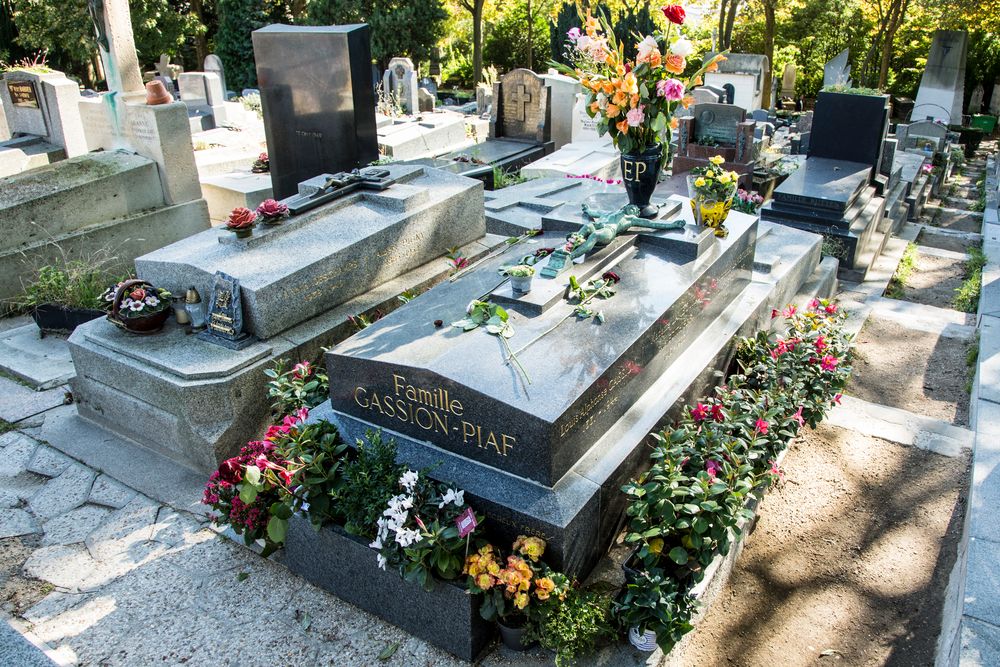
[433,410]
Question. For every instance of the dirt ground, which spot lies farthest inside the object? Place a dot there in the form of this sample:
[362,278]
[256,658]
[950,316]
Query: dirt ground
[18,593]
[934,281]
[848,563]
[916,371]
[953,243]
[961,221]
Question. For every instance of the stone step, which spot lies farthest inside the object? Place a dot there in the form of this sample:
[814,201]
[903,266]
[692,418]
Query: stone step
[943,322]
[901,426]
[61,198]
[42,363]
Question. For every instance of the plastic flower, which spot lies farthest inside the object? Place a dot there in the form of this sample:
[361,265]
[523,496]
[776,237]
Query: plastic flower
[761,427]
[717,160]
[671,89]
[272,209]
[699,182]
[682,47]
[241,218]
[674,14]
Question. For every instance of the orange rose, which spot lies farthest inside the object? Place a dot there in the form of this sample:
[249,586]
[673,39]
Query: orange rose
[687,101]
[674,123]
[655,59]
[674,64]
[622,126]
[613,110]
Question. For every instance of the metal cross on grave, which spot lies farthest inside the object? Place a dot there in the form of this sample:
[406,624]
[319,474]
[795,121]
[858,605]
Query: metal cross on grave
[338,185]
[520,98]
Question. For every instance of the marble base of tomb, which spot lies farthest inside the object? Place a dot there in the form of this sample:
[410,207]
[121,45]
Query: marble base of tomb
[549,457]
[479,161]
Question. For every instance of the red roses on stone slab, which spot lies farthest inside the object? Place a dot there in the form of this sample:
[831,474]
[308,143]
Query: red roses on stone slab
[241,218]
[272,210]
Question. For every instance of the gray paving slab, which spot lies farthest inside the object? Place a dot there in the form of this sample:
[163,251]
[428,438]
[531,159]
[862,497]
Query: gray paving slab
[930,319]
[43,363]
[48,462]
[150,473]
[900,426]
[14,322]
[982,583]
[63,493]
[18,401]
[18,452]
[17,651]
[989,358]
[980,644]
[14,522]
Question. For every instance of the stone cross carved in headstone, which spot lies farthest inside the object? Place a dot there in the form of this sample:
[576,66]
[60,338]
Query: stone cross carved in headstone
[225,314]
[521,107]
[163,66]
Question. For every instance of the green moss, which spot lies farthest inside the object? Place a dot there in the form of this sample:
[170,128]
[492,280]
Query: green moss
[5,426]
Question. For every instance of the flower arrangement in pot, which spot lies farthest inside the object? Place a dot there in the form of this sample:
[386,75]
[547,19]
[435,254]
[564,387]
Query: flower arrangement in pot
[272,212]
[241,221]
[262,165]
[634,100]
[137,306]
[712,189]
[748,201]
[516,591]
[520,277]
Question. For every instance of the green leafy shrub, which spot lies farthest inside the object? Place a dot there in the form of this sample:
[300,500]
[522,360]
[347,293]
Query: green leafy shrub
[575,625]
[967,294]
[372,477]
[301,386]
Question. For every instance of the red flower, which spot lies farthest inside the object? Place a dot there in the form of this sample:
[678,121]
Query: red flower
[814,304]
[699,413]
[829,362]
[138,294]
[611,277]
[774,313]
[717,412]
[713,468]
[241,218]
[820,344]
[761,427]
[286,477]
[302,370]
[674,14]
[270,208]
[831,308]
[779,349]
[231,471]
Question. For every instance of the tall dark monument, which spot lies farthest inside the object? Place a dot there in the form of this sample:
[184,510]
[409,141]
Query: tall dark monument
[319,103]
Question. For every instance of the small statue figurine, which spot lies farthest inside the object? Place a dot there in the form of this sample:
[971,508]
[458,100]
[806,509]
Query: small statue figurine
[604,227]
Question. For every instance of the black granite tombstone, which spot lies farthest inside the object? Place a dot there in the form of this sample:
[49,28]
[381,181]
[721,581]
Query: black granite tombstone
[318,100]
[850,128]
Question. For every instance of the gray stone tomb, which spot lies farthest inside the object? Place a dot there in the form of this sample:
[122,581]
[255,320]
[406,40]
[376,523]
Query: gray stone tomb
[942,85]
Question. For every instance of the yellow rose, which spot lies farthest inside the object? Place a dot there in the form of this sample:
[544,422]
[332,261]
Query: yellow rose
[699,182]
[521,600]
[725,179]
[716,159]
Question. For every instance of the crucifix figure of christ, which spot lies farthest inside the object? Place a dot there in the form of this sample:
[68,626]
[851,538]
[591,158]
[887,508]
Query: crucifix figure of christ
[338,185]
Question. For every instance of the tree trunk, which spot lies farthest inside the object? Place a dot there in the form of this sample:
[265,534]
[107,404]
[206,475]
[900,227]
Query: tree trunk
[531,37]
[768,47]
[201,40]
[730,20]
[722,23]
[477,42]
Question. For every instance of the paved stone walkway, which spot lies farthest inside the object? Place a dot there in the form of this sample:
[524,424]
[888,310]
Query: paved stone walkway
[100,574]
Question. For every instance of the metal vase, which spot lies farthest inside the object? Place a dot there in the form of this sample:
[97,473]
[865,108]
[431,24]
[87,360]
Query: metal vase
[640,173]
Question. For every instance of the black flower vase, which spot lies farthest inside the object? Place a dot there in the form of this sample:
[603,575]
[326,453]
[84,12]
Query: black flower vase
[640,172]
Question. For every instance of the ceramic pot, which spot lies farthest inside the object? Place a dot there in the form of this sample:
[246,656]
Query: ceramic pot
[640,172]
[513,637]
[520,284]
[645,641]
[54,318]
[156,93]
[245,232]
[145,325]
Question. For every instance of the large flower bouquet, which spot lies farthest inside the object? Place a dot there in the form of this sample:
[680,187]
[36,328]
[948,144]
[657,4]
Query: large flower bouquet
[634,100]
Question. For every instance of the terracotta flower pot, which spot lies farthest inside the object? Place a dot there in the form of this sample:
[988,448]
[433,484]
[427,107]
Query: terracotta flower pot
[156,93]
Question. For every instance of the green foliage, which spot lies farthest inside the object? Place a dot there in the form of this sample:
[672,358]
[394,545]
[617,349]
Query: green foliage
[302,386]
[74,284]
[371,477]
[398,27]
[574,626]
[505,43]
[904,269]
[504,179]
[852,90]
[233,44]
[967,294]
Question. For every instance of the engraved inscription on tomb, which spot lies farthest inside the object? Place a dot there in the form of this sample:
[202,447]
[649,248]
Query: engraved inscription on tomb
[23,94]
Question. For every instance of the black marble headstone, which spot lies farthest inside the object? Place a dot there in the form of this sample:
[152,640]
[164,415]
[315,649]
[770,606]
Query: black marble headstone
[225,314]
[850,127]
[318,100]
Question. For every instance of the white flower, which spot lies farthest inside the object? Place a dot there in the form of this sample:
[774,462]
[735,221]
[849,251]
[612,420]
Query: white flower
[583,43]
[377,544]
[682,47]
[381,561]
[409,480]
[645,48]
[407,536]
[452,496]
[135,305]
[152,301]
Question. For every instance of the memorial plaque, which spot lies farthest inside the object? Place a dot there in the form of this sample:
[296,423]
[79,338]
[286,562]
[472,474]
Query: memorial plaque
[717,123]
[318,100]
[23,94]
[225,314]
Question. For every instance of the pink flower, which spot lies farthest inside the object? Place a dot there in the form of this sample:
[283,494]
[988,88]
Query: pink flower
[574,34]
[829,362]
[713,468]
[814,304]
[717,412]
[779,349]
[761,427]
[836,399]
[776,471]
[774,313]
[302,414]
[635,116]
[301,370]
[831,308]
[286,477]
[820,344]
[790,311]
[671,89]
[699,413]
[799,418]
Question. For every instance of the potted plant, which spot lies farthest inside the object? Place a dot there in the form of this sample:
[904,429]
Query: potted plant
[262,165]
[712,189]
[272,212]
[634,99]
[241,221]
[747,201]
[137,306]
[520,277]
[516,590]
[62,298]
[575,623]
